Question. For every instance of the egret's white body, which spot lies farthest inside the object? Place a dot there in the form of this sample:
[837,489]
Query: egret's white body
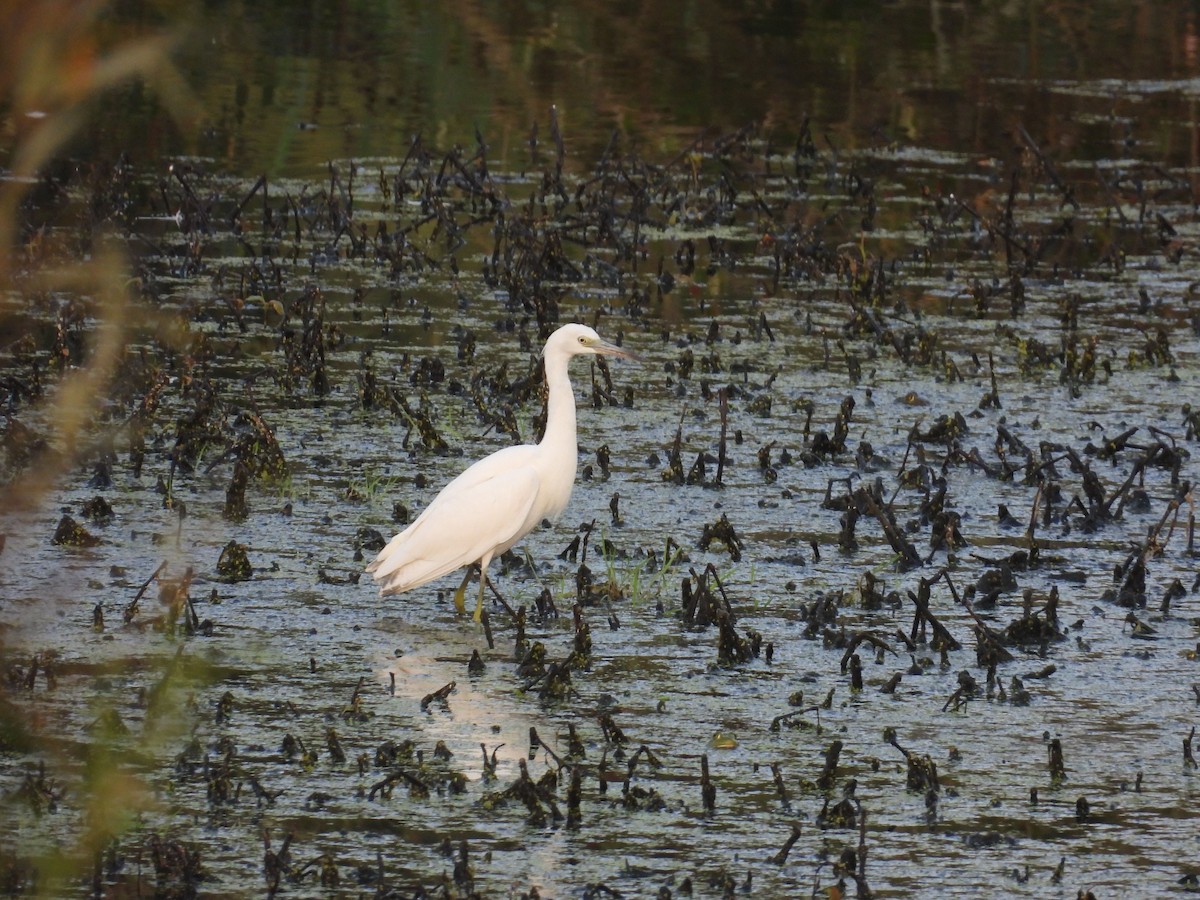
[501,498]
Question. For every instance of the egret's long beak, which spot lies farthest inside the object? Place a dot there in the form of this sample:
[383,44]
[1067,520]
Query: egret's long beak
[608,349]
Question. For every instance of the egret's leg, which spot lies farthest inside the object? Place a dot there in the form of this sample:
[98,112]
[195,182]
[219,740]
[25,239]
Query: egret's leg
[479,605]
[483,564]
[460,596]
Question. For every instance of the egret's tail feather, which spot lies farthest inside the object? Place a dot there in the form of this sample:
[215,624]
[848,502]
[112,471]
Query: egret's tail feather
[396,574]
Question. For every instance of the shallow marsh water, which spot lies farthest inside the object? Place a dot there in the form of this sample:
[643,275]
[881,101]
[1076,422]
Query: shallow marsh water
[290,645]
[195,750]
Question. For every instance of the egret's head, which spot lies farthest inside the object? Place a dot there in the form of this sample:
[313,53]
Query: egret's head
[575,340]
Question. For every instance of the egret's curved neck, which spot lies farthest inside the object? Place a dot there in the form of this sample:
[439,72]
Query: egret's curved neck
[560,405]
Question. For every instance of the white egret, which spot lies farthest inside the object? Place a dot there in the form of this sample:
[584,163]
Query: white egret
[501,498]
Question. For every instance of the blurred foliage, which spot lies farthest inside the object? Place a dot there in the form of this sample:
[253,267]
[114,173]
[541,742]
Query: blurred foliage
[57,66]
[285,89]
[60,59]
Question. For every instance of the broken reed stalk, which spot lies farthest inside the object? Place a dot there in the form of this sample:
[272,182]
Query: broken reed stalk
[708,790]
[1058,769]
[781,857]
[440,695]
[132,609]
[723,397]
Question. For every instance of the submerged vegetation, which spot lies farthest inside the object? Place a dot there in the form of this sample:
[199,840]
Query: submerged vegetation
[882,566]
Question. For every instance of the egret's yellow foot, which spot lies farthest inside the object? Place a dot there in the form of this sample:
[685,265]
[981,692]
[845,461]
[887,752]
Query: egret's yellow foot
[460,595]
[479,605]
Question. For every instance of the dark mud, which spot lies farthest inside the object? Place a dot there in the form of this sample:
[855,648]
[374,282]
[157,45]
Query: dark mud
[816,652]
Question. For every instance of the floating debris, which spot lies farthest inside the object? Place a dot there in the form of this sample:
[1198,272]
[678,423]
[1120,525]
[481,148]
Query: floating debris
[233,565]
[70,533]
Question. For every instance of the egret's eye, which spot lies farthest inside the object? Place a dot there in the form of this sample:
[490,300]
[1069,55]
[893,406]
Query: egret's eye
[582,339]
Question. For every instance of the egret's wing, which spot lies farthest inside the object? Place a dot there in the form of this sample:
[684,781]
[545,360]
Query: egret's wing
[502,461]
[494,465]
[459,527]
